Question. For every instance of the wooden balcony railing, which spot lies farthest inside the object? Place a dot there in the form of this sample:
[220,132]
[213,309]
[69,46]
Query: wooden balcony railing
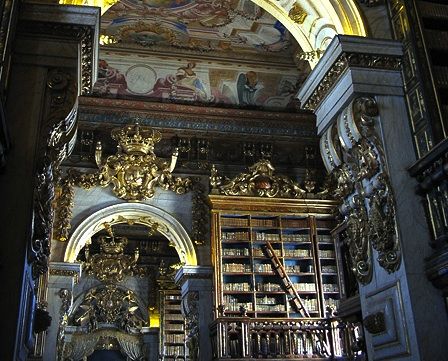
[293,339]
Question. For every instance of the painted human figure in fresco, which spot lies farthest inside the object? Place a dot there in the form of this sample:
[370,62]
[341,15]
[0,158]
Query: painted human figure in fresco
[186,77]
[110,80]
[184,85]
[247,88]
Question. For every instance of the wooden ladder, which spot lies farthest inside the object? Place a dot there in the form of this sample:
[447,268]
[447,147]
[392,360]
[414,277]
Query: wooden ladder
[278,267]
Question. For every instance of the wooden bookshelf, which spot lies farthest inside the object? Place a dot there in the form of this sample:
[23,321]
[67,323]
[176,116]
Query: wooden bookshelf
[246,280]
[172,332]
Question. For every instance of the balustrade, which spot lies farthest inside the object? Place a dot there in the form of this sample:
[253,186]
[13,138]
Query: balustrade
[295,339]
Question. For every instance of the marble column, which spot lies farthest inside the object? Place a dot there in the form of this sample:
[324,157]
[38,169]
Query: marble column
[197,306]
[356,92]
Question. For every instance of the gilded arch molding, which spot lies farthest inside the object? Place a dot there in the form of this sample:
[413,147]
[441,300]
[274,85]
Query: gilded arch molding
[138,213]
[320,20]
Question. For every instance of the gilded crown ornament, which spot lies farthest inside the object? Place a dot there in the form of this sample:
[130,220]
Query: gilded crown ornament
[113,245]
[111,265]
[133,139]
[135,171]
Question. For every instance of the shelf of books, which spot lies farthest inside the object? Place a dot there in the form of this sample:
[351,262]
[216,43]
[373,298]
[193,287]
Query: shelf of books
[265,261]
[172,335]
[327,264]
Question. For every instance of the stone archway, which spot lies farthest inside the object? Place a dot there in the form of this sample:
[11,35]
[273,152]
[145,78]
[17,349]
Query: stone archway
[138,213]
[320,21]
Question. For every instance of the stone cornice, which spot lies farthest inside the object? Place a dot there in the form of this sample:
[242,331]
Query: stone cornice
[68,23]
[193,272]
[250,59]
[196,118]
[343,53]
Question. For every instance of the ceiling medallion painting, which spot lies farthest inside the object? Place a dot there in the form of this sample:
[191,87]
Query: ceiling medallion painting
[203,25]
[135,171]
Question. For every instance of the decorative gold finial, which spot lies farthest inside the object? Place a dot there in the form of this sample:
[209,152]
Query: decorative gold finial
[111,265]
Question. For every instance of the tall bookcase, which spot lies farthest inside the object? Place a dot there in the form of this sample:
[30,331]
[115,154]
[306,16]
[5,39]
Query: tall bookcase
[172,335]
[248,278]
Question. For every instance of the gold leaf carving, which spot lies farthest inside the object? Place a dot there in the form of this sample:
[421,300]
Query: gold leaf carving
[297,14]
[111,264]
[259,181]
[363,188]
[135,171]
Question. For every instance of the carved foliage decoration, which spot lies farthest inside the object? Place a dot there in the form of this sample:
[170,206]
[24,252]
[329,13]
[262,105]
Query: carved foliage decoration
[59,129]
[66,301]
[297,14]
[346,60]
[353,152]
[259,181]
[200,212]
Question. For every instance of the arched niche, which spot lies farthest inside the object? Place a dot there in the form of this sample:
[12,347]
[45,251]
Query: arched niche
[138,213]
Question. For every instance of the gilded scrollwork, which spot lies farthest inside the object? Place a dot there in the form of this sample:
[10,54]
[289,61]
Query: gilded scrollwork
[109,304]
[358,239]
[259,181]
[190,309]
[63,211]
[297,14]
[135,171]
[66,301]
[111,265]
[60,128]
[364,190]
[200,212]
[382,226]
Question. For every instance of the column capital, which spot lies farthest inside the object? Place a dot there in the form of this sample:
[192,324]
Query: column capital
[351,66]
[193,272]
[64,274]
[65,269]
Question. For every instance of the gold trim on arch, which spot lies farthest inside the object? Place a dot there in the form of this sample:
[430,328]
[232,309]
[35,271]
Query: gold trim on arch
[133,213]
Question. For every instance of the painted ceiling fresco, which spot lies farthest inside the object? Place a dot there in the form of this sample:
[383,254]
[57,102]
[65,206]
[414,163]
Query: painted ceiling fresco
[199,25]
[197,82]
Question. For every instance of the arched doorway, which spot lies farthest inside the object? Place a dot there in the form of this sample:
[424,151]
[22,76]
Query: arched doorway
[127,298]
